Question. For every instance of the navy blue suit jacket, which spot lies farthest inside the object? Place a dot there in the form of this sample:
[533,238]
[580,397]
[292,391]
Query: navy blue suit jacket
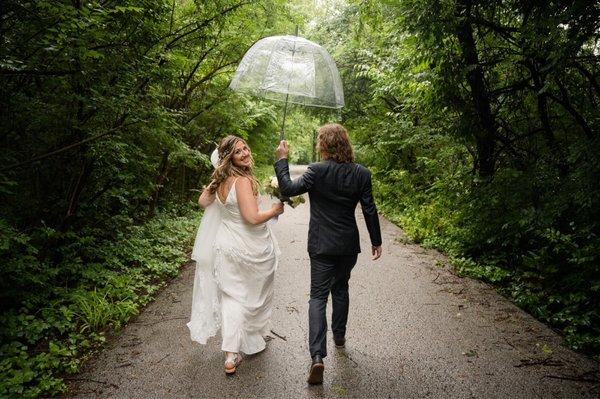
[334,190]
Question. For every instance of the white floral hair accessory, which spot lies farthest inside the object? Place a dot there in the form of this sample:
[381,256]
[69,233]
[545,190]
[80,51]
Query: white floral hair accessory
[214,158]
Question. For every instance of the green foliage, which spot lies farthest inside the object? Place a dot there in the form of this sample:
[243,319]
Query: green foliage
[109,114]
[486,149]
[56,329]
[301,133]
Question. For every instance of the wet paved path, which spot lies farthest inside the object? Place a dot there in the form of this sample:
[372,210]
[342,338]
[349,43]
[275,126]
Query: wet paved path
[415,331]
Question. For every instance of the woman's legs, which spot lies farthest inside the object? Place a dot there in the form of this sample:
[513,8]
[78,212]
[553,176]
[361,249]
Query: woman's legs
[231,324]
[230,329]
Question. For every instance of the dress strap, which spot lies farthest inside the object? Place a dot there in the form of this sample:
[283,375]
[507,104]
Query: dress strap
[233,184]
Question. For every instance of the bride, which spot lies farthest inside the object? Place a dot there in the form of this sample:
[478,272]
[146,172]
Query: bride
[236,257]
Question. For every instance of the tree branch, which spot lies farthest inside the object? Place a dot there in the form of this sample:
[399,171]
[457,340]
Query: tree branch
[520,85]
[566,104]
[209,76]
[204,109]
[66,148]
[195,69]
[35,72]
[503,31]
[589,76]
[203,24]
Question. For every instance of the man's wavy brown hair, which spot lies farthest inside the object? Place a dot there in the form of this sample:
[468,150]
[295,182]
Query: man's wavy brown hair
[333,142]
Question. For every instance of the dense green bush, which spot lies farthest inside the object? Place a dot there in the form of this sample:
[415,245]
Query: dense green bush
[68,306]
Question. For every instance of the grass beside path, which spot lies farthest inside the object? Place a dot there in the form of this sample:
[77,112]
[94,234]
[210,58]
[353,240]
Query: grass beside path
[41,345]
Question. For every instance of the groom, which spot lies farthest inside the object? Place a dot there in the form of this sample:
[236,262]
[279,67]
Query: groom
[335,186]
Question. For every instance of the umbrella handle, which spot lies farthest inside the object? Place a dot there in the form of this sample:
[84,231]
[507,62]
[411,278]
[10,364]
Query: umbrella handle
[282,133]
[287,95]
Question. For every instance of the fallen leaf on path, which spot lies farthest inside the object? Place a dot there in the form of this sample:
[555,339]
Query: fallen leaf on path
[547,349]
[471,353]
[340,391]
[291,309]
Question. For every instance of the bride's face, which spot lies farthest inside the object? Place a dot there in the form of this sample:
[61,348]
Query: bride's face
[241,155]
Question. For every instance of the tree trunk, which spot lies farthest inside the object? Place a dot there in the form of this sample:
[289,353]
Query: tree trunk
[485,137]
[163,171]
[542,105]
[82,180]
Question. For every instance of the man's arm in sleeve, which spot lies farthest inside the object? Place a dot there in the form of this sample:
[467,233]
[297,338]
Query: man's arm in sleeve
[369,211]
[289,187]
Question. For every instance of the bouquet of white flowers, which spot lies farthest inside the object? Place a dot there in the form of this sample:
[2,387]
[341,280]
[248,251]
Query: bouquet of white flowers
[271,186]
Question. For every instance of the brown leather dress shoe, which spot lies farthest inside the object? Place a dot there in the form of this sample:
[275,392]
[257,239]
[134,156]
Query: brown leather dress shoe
[317,367]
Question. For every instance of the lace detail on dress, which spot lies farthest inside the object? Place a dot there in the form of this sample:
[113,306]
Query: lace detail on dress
[205,319]
[206,315]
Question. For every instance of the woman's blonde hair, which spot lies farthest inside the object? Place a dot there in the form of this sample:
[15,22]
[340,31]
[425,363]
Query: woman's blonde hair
[333,142]
[226,168]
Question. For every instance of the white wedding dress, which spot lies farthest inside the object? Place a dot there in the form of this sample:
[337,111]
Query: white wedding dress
[233,284]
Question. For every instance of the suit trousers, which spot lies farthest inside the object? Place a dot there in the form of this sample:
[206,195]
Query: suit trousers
[328,273]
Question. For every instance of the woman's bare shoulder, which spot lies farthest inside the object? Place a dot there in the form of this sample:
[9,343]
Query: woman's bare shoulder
[243,182]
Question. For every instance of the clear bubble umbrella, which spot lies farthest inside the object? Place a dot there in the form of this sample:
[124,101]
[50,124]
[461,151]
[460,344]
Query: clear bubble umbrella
[290,69]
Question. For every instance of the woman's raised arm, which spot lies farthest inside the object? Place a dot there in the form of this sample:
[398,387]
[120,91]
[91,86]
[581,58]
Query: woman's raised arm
[206,198]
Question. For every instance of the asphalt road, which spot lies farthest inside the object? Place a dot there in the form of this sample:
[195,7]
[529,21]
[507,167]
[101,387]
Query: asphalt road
[415,330]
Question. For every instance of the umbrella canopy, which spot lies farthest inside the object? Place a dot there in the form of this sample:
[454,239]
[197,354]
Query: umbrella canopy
[290,69]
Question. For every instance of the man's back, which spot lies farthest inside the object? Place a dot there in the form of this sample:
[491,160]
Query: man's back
[334,190]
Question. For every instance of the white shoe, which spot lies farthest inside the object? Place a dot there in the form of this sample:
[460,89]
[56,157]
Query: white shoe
[232,362]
